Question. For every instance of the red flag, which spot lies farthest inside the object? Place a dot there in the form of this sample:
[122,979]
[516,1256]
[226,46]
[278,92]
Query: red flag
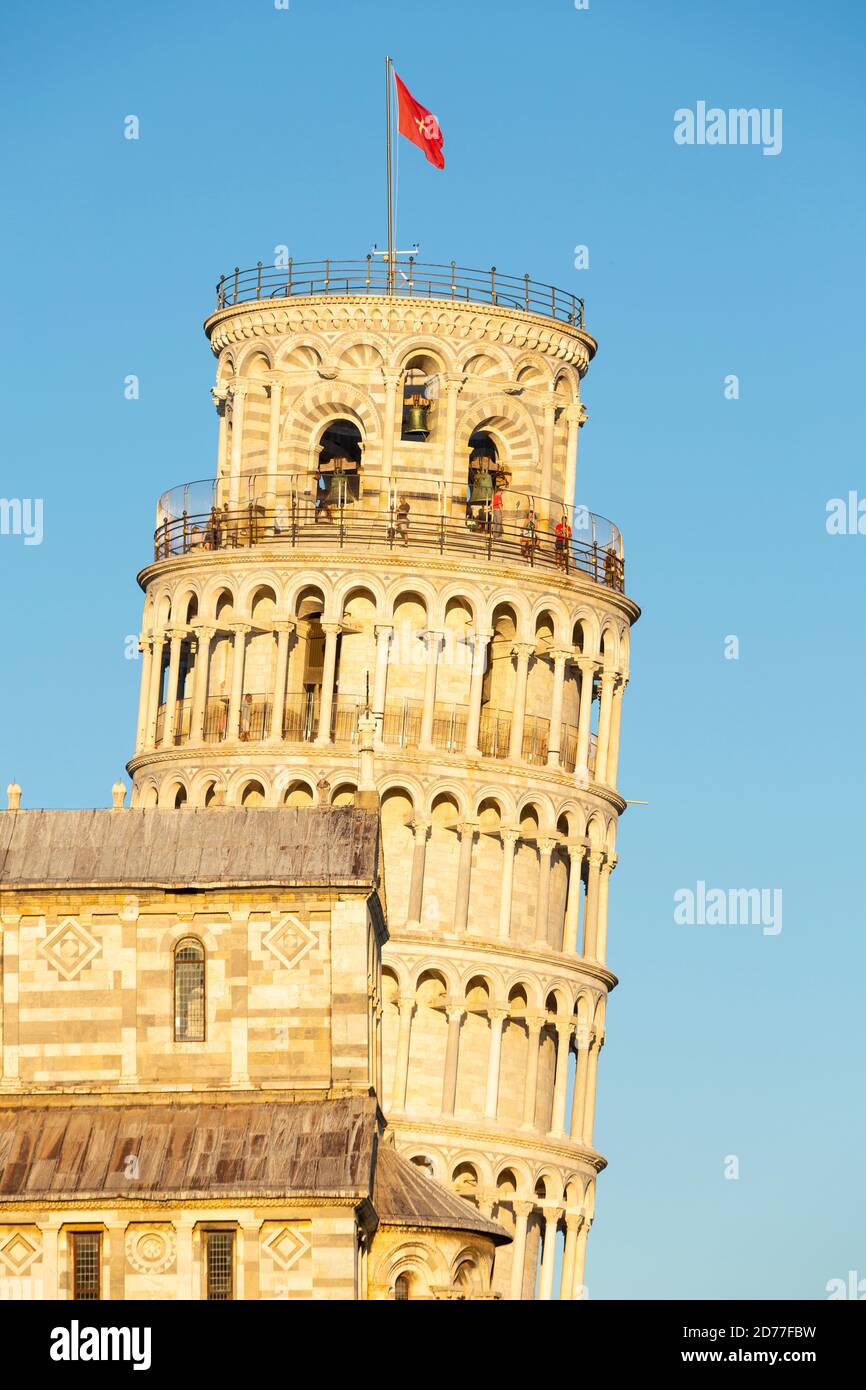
[419,125]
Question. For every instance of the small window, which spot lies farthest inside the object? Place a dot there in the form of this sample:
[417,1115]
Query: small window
[86,1262]
[189,991]
[220,1265]
[401,1288]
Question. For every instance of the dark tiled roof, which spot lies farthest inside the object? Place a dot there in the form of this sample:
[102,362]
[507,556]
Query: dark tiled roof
[403,1195]
[188,1151]
[217,847]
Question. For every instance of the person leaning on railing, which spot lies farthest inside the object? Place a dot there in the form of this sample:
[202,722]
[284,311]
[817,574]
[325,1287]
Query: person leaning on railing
[529,536]
[402,520]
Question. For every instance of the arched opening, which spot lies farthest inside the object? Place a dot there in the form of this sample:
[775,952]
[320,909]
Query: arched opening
[402,1288]
[253,794]
[338,467]
[189,990]
[420,390]
[298,794]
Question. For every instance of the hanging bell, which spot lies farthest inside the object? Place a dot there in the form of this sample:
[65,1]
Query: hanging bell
[417,426]
[482,487]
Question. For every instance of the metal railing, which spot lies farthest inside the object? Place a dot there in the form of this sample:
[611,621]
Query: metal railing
[369,515]
[418,279]
[400,727]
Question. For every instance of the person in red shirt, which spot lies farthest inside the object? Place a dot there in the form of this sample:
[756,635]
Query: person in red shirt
[561,538]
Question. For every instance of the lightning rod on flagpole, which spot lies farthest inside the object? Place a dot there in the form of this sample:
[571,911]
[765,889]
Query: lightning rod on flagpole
[388,66]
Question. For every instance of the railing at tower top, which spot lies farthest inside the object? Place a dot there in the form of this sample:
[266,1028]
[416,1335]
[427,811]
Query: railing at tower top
[413,278]
[372,513]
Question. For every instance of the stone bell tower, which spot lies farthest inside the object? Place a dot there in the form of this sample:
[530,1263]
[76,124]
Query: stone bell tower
[387,590]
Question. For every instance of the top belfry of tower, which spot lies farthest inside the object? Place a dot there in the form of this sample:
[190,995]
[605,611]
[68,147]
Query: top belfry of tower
[409,279]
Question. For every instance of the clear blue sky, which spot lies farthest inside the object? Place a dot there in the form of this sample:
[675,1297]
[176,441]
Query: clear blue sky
[261,127]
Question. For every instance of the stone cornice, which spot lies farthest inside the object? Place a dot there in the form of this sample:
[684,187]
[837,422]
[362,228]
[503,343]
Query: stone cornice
[461,567]
[269,755]
[553,962]
[464,320]
[511,1141]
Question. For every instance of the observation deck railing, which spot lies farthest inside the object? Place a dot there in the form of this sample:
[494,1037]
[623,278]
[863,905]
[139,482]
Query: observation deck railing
[400,726]
[362,511]
[411,277]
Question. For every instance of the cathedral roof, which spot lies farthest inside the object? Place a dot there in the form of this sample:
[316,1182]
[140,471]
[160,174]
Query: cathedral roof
[403,1195]
[220,847]
[188,1151]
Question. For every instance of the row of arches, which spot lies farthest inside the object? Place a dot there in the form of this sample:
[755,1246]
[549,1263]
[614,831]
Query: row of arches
[359,352]
[548,1212]
[594,630]
[491,1059]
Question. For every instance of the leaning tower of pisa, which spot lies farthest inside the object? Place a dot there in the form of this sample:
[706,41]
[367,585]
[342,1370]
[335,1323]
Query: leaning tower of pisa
[394,455]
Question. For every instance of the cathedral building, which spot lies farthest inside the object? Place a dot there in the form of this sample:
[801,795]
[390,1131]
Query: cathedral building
[320,1014]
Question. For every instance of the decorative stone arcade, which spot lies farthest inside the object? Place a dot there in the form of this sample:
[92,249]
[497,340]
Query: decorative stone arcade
[382,532]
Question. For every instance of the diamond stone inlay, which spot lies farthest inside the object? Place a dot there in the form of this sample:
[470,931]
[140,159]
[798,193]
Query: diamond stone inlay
[289,940]
[69,948]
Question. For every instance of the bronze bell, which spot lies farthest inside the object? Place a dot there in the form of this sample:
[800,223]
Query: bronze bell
[482,486]
[416,421]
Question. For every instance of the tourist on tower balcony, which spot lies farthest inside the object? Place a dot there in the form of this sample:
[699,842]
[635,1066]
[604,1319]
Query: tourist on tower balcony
[246,717]
[496,513]
[561,542]
[403,520]
[528,536]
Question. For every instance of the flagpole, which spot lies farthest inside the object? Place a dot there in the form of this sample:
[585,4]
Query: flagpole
[390,199]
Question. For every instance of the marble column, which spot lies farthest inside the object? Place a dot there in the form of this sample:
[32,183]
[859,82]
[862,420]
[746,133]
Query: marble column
[591,1082]
[284,630]
[545,846]
[157,644]
[392,379]
[554,741]
[607,869]
[590,925]
[548,1253]
[608,680]
[523,651]
[464,875]
[549,425]
[534,1025]
[575,416]
[425,740]
[329,670]
[491,1099]
[239,396]
[380,679]
[522,1213]
[145,647]
[578,1287]
[572,906]
[615,728]
[404,1043]
[420,831]
[573,1224]
[201,672]
[578,1098]
[176,636]
[453,385]
[560,1083]
[276,390]
[480,641]
[509,838]
[581,763]
[452,1058]
[239,647]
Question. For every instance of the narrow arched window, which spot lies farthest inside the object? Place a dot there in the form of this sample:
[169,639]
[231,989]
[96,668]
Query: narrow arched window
[402,1288]
[189,991]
